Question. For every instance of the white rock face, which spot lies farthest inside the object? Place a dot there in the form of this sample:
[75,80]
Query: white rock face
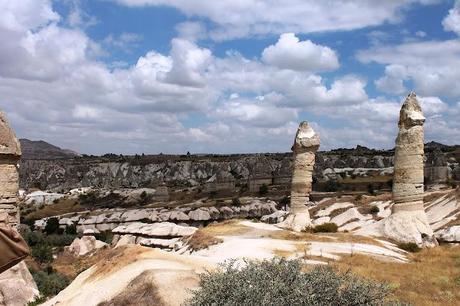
[408,222]
[42,197]
[163,229]
[450,234]
[17,286]
[351,214]
[306,144]
[85,245]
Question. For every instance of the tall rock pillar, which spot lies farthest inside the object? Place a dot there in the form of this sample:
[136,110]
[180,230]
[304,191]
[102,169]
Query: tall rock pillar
[10,154]
[408,222]
[306,144]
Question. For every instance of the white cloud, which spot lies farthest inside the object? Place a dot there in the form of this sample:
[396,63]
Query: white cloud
[452,21]
[393,81]
[236,19]
[431,65]
[291,53]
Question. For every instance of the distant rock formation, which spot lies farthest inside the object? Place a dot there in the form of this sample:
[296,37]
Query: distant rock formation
[39,149]
[408,222]
[306,144]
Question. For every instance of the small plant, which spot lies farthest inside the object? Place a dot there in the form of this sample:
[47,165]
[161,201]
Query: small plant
[409,247]
[374,209]
[282,282]
[71,229]
[38,301]
[236,202]
[326,228]
[42,252]
[263,189]
[49,283]
[52,226]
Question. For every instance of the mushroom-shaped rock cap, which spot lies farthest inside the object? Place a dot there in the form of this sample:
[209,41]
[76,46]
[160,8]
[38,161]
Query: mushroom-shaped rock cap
[9,144]
[411,113]
[305,138]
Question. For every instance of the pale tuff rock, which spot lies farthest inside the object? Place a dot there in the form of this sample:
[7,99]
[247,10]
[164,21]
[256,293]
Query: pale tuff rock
[408,222]
[450,234]
[17,286]
[306,144]
[10,154]
[85,245]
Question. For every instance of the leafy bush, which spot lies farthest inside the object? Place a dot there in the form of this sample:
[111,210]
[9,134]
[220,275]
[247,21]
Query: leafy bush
[52,226]
[326,228]
[282,283]
[38,301]
[71,229]
[374,209]
[106,236]
[59,240]
[236,202]
[33,238]
[50,284]
[42,252]
[409,247]
[263,189]
[332,186]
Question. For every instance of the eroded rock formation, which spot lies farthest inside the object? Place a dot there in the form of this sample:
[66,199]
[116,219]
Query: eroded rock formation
[10,154]
[408,222]
[17,286]
[306,144]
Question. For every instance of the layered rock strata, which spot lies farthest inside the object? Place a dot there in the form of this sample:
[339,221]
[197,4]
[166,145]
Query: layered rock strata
[10,154]
[408,222]
[306,144]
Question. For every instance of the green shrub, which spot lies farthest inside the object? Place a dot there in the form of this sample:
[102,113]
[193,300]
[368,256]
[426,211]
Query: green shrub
[374,209]
[42,252]
[59,240]
[282,283]
[409,247]
[50,284]
[38,301]
[52,226]
[71,229]
[106,236]
[33,238]
[326,228]
[236,202]
[263,189]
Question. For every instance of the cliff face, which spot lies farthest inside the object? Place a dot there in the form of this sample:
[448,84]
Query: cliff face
[344,165]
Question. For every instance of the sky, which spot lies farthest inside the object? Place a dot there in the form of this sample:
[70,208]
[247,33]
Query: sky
[228,76]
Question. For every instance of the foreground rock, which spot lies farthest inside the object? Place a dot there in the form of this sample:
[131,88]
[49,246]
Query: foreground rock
[149,276]
[17,286]
[306,144]
[408,222]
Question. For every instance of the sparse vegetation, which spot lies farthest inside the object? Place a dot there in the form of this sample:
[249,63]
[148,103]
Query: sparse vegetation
[325,228]
[263,189]
[52,226]
[49,282]
[42,252]
[236,202]
[409,247]
[282,282]
[374,209]
[201,240]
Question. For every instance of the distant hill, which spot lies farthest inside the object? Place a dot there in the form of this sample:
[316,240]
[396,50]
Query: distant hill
[40,149]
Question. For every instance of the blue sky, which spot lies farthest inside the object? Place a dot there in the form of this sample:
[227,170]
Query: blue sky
[150,76]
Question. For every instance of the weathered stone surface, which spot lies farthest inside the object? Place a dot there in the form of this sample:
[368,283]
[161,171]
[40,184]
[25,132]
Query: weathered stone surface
[276,217]
[199,215]
[84,245]
[17,286]
[163,229]
[450,234]
[408,222]
[9,143]
[306,144]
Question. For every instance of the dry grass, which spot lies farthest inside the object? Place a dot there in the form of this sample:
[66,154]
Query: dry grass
[432,277]
[226,228]
[140,291]
[62,207]
[201,240]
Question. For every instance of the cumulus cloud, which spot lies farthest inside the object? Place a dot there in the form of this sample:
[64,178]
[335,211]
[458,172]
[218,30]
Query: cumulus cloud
[236,19]
[431,65]
[393,80]
[452,21]
[291,53]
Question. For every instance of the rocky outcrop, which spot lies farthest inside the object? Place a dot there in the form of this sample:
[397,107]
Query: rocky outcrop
[306,144]
[85,245]
[17,286]
[10,154]
[408,221]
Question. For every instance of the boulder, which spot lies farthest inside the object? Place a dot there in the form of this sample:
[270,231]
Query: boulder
[449,234]
[17,287]
[276,217]
[125,240]
[199,214]
[84,245]
[178,215]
